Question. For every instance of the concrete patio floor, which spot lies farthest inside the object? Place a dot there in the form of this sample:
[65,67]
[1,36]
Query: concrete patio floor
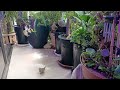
[25,63]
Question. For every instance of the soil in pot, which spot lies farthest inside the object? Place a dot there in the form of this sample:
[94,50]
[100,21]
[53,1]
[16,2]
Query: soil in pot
[39,38]
[66,51]
[77,50]
[21,38]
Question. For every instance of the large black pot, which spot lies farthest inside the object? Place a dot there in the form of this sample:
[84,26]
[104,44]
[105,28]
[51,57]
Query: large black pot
[39,38]
[66,51]
[77,50]
[21,38]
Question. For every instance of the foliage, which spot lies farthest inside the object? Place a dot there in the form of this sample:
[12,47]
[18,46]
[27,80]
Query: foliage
[24,15]
[53,16]
[47,17]
[68,14]
[96,61]
[117,72]
[90,63]
[8,20]
[42,21]
[10,15]
[86,54]
[97,56]
[82,33]
[91,51]
[102,68]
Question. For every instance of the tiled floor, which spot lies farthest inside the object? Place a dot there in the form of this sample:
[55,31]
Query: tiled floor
[25,63]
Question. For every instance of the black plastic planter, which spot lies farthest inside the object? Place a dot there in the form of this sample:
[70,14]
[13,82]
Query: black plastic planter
[58,42]
[77,50]
[39,38]
[59,31]
[66,51]
[21,38]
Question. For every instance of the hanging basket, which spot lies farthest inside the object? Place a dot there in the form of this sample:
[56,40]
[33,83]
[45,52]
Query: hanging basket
[9,38]
[89,73]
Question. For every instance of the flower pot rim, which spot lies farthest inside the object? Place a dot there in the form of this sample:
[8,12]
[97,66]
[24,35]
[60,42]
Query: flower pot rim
[63,38]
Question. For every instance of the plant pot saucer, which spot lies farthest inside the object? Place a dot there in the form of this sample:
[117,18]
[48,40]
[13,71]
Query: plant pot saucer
[65,66]
[59,55]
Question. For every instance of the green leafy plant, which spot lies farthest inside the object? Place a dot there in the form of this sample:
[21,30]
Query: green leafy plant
[97,57]
[47,17]
[8,20]
[86,54]
[102,68]
[82,33]
[90,63]
[42,21]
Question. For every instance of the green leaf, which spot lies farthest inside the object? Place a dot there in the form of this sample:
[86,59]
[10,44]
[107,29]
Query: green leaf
[90,63]
[117,76]
[102,68]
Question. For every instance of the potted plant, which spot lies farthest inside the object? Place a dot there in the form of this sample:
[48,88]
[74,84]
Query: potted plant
[66,48]
[58,26]
[20,27]
[81,35]
[9,35]
[104,63]
[39,36]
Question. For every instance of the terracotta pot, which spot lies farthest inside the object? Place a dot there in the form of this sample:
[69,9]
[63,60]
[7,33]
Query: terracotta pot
[91,74]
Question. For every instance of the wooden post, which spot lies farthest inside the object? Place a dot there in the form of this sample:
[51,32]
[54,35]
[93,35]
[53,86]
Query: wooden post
[112,43]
